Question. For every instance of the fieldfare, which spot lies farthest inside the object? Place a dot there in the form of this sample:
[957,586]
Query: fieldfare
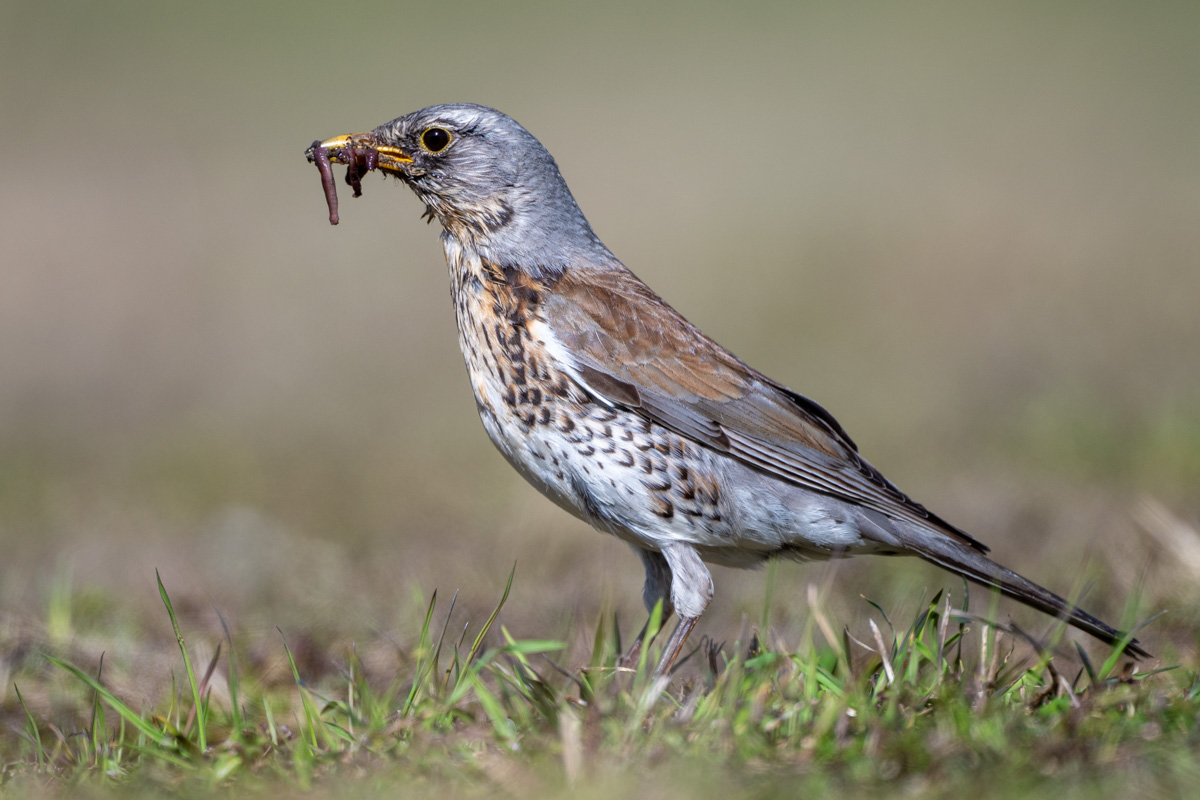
[621,411]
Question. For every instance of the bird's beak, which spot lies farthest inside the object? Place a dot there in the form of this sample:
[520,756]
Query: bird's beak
[340,151]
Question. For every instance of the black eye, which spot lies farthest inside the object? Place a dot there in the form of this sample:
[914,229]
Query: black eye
[435,140]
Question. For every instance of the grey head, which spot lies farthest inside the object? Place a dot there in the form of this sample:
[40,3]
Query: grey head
[493,186]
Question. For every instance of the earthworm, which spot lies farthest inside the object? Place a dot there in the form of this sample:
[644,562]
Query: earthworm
[360,161]
[353,178]
[321,159]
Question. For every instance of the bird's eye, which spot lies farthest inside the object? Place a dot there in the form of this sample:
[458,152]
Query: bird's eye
[435,140]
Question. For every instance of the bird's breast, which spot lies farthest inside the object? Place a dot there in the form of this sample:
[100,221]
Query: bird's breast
[600,461]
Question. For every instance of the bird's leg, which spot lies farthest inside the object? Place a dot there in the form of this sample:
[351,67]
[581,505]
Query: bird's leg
[657,588]
[629,659]
[675,645]
[691,591]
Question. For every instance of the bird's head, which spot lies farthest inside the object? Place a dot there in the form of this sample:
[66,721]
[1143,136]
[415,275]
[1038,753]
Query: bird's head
[486,179]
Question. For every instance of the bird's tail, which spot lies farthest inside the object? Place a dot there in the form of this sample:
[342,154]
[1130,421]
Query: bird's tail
[975,566]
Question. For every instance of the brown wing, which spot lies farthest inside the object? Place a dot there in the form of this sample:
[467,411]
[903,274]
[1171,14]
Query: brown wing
[634,350]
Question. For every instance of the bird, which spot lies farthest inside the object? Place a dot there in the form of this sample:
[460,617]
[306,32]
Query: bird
[621,411]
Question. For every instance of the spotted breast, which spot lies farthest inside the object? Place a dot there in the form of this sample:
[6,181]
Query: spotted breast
[591,457]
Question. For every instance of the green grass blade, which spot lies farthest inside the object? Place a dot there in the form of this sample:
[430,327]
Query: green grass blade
[271,727]
[526,647]
[769,595]
[201,721]
[162,738]
[653,626]
[97,709]
[487,626]
[418,673]
[34,733]
[600,639]
[1119,648]
[501,724]
[311,715]
[437,651]
[238,722]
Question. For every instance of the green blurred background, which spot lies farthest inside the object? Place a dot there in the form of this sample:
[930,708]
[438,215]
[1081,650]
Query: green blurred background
[970,230]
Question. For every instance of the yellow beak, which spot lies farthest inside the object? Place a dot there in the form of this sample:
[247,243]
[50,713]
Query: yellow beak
[337,148]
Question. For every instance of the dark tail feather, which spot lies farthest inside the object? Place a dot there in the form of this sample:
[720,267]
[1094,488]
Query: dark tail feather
[977,567]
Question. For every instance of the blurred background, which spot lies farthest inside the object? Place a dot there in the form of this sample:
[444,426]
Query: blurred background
[971,233]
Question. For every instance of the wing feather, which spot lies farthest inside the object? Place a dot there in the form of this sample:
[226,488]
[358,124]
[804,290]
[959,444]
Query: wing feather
[636,351]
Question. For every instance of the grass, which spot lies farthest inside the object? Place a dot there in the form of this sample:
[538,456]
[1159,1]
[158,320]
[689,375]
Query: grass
[941,704]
